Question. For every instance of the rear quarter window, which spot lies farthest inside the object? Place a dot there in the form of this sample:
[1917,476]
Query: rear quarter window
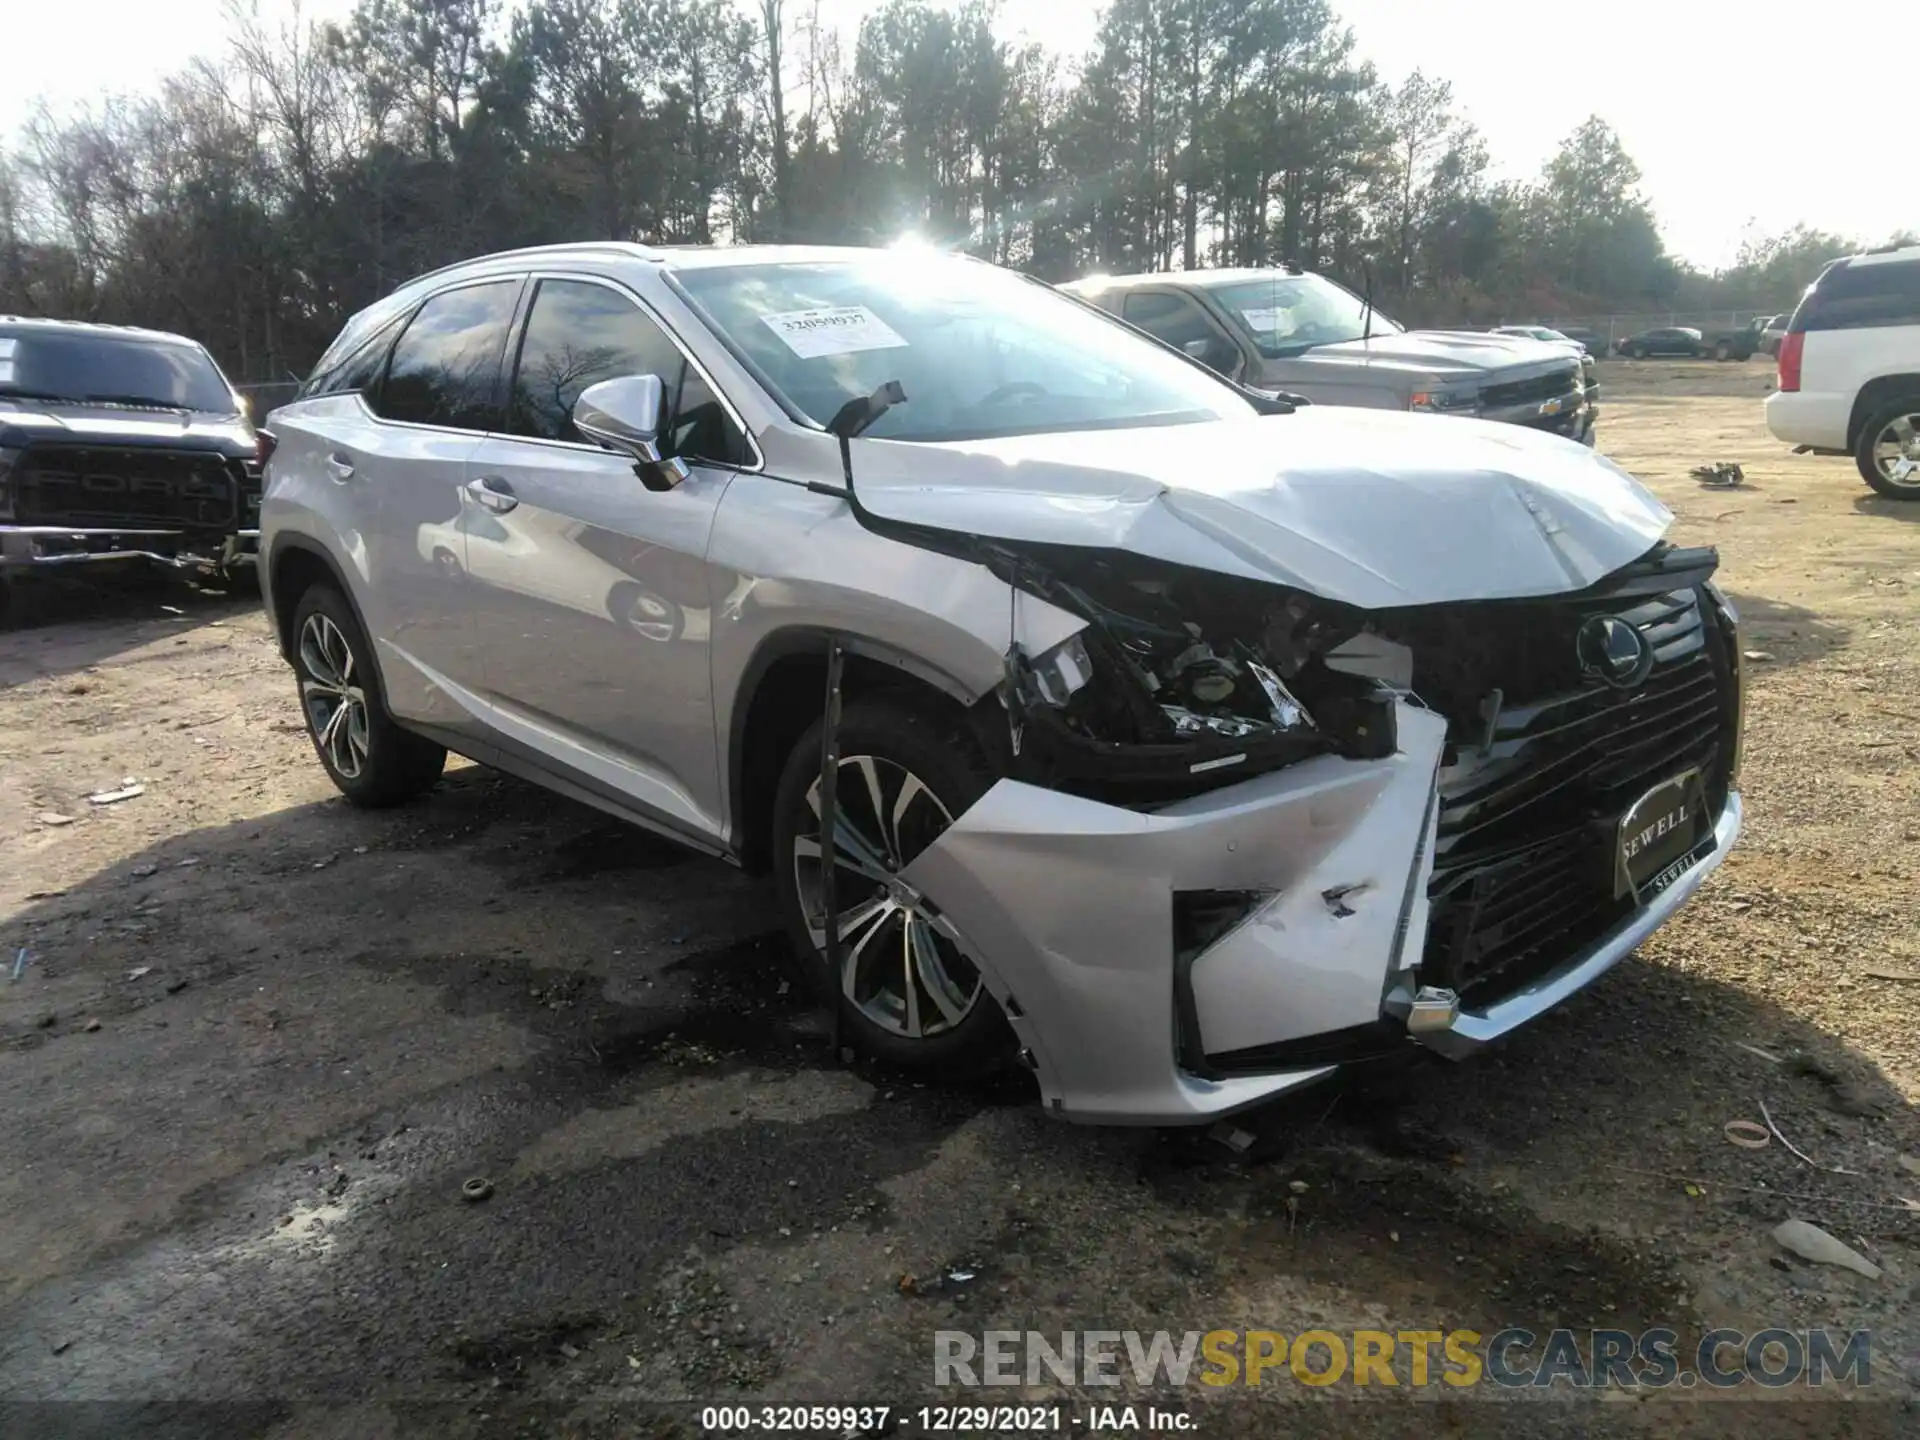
[1862,297]
[353,362]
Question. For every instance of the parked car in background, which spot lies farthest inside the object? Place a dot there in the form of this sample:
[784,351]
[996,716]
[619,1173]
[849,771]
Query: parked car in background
[1773,329]
[1302,334]
[1535,332]
[1591,341]
[119,444]
[1849,369]
[1189,742]
[1663,340]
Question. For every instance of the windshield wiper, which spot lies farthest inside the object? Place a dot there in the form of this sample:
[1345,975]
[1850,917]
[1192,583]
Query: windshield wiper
[145,402]
[9,393]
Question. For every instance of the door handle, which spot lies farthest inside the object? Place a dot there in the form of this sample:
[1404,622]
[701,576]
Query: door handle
[340,466]
[493,492]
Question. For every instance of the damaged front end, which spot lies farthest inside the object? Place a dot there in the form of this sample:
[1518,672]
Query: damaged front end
[1184,680]
[1247,834]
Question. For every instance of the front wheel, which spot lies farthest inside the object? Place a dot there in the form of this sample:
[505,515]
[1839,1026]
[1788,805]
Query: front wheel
[370,758]
[1888,452]
[906,991]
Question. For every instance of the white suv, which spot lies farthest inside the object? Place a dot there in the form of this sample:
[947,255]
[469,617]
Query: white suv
[1850,369]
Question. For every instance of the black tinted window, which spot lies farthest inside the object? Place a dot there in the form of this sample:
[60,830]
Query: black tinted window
[579,334]
[119,369]
[1173,318]
[353,362]
[446,366]
[1856,296]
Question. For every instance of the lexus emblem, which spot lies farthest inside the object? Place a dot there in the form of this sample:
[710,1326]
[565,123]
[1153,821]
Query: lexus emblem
[1612,650]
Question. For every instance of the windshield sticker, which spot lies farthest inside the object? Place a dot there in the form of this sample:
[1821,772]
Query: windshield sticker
[6,348]
[835,330]
[1266,320]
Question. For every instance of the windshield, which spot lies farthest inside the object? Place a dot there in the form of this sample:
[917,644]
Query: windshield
[79,366]
[979,351]
[1290,314]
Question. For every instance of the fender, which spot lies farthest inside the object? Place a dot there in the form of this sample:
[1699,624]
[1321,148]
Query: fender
[284,544]
[812,640]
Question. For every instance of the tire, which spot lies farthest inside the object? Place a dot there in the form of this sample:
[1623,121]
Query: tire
[1632,352]
[957,1033]
[1723,351]
[1892,425]
[372,761]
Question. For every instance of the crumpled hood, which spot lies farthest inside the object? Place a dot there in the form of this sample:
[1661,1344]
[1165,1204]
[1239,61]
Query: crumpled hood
[31,420]
[1373,509]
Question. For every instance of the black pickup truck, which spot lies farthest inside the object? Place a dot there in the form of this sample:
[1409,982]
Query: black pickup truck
[119,444]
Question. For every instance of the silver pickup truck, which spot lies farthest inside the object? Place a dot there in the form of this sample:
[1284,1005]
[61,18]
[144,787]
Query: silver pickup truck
[1301,334]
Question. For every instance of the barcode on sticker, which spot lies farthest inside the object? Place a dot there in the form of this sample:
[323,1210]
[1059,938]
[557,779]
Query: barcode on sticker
[834,330]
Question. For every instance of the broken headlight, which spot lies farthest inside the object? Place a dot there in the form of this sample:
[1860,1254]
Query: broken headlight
[1184,678]
[1196,687]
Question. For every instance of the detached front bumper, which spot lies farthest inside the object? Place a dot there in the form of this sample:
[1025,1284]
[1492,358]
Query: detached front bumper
[1080,917]
[1074,911]
[48,546]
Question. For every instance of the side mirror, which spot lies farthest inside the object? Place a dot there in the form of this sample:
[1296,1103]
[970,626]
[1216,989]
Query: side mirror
[625,415]
[1214,353]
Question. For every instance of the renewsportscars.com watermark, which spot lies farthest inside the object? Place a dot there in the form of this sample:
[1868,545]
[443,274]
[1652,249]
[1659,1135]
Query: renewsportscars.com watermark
[1513,1358]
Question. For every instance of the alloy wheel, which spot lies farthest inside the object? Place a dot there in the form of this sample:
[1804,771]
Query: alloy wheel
[899,963]
[335,701]
[1896,451]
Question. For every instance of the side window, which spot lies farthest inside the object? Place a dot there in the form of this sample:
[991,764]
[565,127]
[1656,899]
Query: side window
[1859,297]
[445,368]
[354,365]
[1174,319]
[1178,321]
[579,334]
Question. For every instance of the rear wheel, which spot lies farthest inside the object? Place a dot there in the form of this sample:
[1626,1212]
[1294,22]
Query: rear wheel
[1888,452]
[371,759]
[907,994]
[1723,351]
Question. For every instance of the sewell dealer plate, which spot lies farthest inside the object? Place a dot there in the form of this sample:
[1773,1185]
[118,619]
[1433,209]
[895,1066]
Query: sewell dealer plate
[1659,836]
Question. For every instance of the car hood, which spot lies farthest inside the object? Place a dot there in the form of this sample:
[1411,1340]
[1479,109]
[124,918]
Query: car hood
[1370,509]
[26,421]
[1440,354]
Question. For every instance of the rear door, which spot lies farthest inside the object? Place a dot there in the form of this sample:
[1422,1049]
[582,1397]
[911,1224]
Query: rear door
[438,395]
[590,590]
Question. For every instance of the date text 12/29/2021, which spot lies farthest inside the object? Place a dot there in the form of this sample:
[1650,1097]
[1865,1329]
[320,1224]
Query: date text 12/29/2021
[875,1420]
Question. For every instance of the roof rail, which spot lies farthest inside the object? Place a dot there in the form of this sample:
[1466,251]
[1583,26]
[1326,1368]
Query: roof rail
[619,247]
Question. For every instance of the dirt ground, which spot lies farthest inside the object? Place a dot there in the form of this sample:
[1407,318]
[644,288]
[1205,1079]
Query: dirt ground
[260,1040]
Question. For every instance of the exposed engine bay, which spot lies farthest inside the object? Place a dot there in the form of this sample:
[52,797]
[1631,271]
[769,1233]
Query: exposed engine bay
[1186,679]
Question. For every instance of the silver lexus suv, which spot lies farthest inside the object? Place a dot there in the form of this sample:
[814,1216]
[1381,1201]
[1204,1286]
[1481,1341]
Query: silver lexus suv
[1189,744]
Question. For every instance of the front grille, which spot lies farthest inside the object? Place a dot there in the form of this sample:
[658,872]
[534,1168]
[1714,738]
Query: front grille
[1536,785]
[89,486]
[1528,392]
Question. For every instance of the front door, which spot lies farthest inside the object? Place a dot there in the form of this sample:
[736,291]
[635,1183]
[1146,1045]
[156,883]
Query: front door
[589,589]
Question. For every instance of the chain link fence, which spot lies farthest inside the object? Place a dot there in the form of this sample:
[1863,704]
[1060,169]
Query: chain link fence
[1613,327]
